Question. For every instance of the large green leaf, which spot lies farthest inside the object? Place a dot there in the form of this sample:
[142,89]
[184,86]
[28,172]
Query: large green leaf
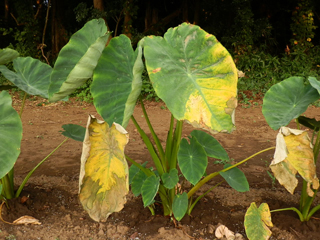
[7,55]
[194,75]
[170,179]
[31,76]
[10,134]
[103,177]
[286,100]
[117,81]
[77,60]
[235,178]
[180,205]
[212,147]
[257,221]
[192,159]
[149,190]
[74,131]
[137,183]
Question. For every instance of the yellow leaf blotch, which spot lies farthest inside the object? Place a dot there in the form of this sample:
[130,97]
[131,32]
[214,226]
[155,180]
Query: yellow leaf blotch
[212,112]
[106,155]
[265,214]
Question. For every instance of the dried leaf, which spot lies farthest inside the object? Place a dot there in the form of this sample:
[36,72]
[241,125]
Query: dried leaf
[24,199]
[222,232]
[294,154]
[25,220]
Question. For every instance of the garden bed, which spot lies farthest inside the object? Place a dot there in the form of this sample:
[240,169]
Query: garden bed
[52,190]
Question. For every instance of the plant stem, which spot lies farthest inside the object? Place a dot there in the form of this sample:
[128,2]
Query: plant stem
[176,144]
[292,209]
[169,141]
[154,135]
[212,175]
[316,148]
[31,172]
[313,210]
[145,170]
[150,147]
[166,203]
[23,103]
[10,175]
[201,196]
[304,195]
[8,191]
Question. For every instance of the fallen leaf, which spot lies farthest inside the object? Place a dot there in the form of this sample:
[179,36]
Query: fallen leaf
[25,220]
[24,199]
[222,232]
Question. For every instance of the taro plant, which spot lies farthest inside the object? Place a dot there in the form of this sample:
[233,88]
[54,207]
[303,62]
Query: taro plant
[37,78]
[296,153]
[196,78]
[33,77]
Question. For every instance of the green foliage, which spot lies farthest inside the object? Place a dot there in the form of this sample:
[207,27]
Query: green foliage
[27,35]
[84,13]
[302,27]
[83,93]
[247,34]
[262,70]
[147,91]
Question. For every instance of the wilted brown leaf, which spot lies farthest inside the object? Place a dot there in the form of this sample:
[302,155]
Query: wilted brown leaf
[25,220]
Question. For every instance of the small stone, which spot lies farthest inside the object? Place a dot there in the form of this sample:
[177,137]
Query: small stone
[77,228]
[122,229]
[101,232]
[210,229]
[67,218]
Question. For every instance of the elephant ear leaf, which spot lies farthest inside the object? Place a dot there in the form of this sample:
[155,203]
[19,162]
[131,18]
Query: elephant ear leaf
[194,75]
[104,176]
[10,134]
[31,76]
[77,60]
[7,55]
[257,221]
[115,92]
[286,100]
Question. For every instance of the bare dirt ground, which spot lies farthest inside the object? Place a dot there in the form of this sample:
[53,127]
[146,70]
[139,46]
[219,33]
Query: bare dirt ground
[52,190]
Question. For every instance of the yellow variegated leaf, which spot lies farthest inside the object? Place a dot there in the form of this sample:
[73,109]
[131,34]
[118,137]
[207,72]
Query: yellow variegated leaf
[104,171]
[195,76]
[257,221]
[294,154]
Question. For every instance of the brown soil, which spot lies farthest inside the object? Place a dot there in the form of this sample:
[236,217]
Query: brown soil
[52,190]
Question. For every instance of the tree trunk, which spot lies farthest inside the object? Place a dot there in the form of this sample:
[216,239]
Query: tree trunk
[98,4]
[6,10]
[196,12]
[185,11]
[58,31]
[127,25]
[148,16]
